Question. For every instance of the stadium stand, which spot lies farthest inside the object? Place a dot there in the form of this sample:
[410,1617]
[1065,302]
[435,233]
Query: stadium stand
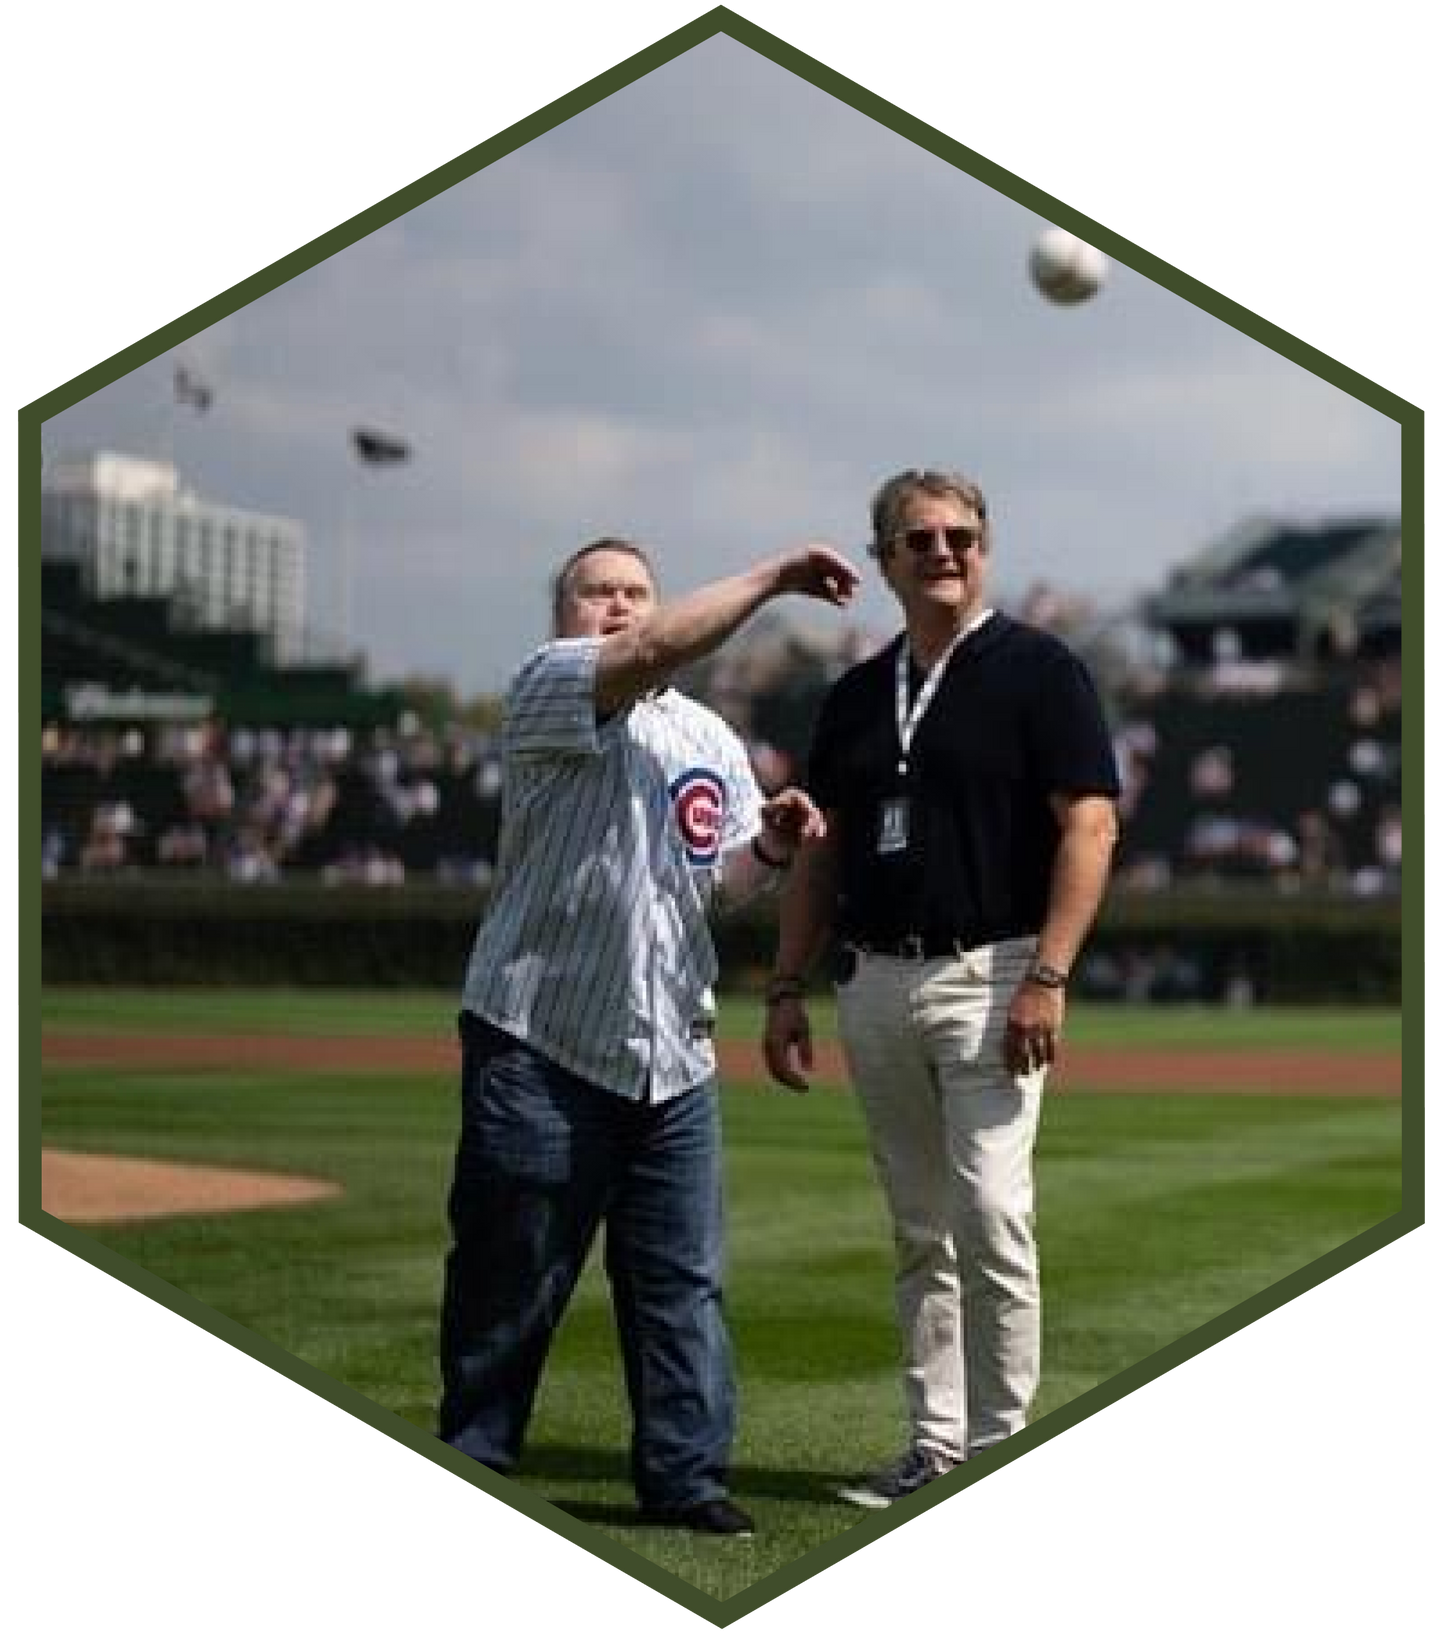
[1264,751]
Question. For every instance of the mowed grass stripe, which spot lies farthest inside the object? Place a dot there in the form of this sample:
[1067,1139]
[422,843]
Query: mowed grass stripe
[326,1012]
[1156,1213]
[432,1014]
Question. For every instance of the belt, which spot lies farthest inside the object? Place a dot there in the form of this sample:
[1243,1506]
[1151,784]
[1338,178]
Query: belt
[913,946]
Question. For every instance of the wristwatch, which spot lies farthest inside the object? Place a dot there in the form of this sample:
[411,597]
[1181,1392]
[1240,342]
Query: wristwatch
[1046,976]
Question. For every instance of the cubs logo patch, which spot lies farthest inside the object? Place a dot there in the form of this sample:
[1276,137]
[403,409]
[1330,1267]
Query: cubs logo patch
[699,801]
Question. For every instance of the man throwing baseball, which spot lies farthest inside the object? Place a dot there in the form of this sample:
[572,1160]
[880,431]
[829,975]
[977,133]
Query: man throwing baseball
[587,1022]
[967,786]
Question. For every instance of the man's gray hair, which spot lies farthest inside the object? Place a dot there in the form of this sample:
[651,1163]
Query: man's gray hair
[892,500]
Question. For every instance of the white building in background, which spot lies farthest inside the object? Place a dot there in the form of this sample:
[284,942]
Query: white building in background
[136,533]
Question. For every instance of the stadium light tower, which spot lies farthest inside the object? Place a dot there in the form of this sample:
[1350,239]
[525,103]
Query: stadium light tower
[372,449]
[188,391]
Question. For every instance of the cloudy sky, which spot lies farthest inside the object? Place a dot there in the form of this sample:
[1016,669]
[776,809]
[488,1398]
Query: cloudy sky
[713,312]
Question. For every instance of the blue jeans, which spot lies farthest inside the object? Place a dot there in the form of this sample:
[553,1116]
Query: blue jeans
[545,1159]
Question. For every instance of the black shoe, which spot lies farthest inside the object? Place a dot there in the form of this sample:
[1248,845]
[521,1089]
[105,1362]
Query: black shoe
[718,1517]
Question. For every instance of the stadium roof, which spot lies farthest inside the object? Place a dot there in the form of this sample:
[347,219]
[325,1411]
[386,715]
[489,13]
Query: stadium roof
[1273,570]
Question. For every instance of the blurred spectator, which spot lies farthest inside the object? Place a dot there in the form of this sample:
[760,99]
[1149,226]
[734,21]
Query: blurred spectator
[1389,839]
[1149,873]
[1212,772]
[1213,838]
[1178,976]
[1135,746]
[1099,976]
[52,852]
[183,844]
[1240,990]
[365,865]
[105,846]
[1344,798]
[1321,852]
[209,792]
[247,857]
[1365,706]
[1368,759]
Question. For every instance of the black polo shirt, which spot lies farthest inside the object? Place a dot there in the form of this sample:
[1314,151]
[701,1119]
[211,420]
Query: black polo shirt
[1015,719]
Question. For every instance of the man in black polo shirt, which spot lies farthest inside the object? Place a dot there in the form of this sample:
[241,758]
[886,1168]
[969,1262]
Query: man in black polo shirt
[968,783]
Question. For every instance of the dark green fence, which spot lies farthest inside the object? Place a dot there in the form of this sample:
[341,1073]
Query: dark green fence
[184,931]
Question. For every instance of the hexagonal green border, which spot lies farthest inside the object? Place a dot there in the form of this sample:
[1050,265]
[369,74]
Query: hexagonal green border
[720,21]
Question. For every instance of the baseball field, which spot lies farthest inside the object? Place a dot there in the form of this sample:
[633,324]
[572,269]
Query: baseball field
[283,1156]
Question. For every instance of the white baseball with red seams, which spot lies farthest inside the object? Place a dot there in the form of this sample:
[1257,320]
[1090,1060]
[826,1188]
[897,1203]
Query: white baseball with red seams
[1065,269]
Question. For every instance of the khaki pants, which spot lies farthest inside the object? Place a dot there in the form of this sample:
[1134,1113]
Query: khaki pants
[952,1132]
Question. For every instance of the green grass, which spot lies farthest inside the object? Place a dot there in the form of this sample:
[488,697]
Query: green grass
[405,1012]
[1155,1214]
[228,1011]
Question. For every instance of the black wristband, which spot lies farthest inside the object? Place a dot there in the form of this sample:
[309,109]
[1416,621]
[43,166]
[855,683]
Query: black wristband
[784,988]
[763,857]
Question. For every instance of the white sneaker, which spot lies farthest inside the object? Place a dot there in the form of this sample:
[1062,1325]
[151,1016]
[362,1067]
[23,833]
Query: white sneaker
[899,1478]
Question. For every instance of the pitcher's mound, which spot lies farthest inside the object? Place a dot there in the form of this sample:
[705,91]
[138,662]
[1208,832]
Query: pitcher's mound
[113,1188]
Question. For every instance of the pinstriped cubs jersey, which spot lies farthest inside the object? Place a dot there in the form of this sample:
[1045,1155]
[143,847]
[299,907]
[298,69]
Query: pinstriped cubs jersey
[595,947]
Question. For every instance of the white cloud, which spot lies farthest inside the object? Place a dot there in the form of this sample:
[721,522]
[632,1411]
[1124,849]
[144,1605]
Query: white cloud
[714,311]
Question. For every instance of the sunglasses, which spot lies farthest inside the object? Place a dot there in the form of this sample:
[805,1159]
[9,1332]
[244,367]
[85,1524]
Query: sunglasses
[958,538]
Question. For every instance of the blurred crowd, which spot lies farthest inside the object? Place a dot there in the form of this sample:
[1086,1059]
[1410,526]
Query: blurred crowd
[374,807]
[370,807]
[1299,791]
[1230,775]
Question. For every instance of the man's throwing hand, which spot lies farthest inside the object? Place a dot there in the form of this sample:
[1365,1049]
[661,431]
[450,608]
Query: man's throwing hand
[817,571]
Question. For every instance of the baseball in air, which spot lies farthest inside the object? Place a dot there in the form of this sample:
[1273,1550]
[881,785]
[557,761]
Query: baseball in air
[1065,269]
